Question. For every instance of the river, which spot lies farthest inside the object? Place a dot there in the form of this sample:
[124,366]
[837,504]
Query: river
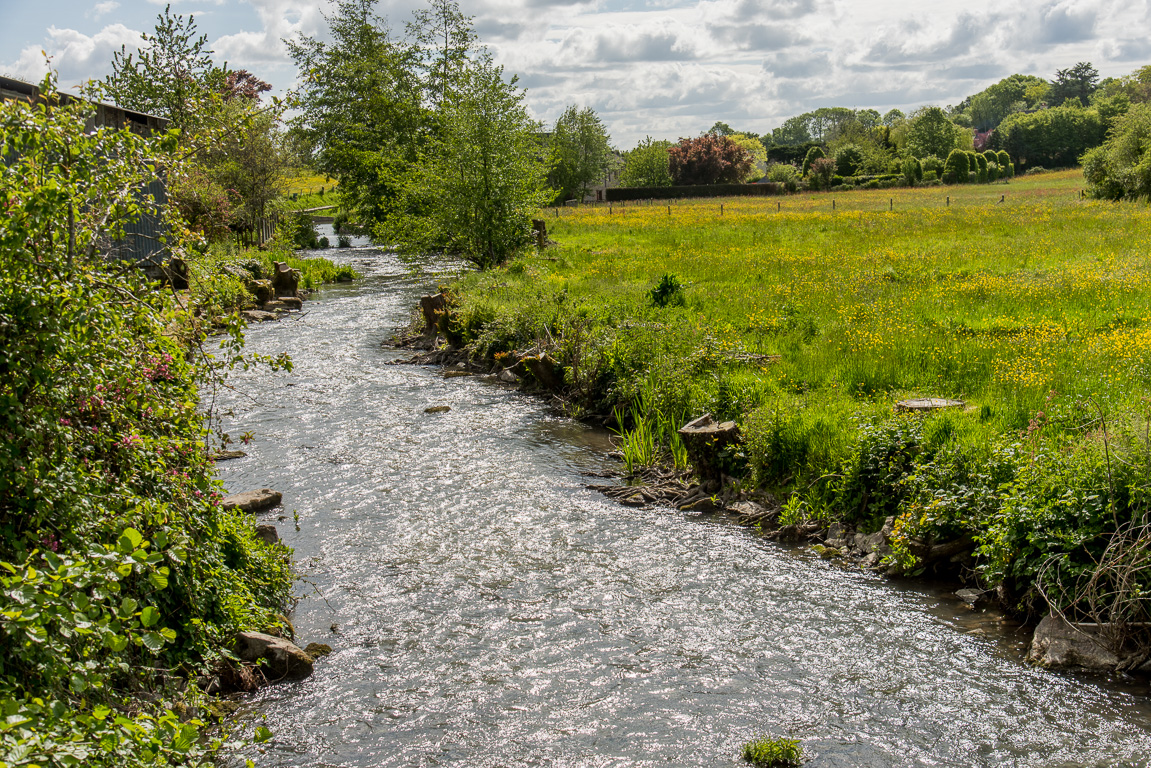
[486,609]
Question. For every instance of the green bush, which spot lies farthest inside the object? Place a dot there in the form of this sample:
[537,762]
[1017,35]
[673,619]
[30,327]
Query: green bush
[912,170]
[1121,167]
[848,160]
[813,154]
[773,753]
[980,168]
[1007,170]
[667,293]
[957,167]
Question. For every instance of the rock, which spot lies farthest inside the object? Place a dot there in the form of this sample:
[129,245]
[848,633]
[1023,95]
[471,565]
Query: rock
[925,404]
[262,290]
[871,561]
[1057,645]
[438,409]
[316,650]
[705,505]
[508,377]
[456,374]
[704,438]
[258,315]
[974,597]
[344,277]
[859,541]
[272,306]
[825,552]
[750,510]
[285,280]
[875,542]
[267,534]
[280,659]
[292,302]
[225,455]
[635,500]
[251,501]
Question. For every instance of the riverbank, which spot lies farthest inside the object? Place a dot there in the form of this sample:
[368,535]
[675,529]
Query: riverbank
[808,326]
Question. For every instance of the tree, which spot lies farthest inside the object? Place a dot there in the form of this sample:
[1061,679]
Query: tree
[1051,138]
[754,148]
[793,132]
[580,152]
[708,159]
[868,118]
[1074,84]
[822,172]
[893,117]
[249,160]
[482,175]
[171,75]
[721,129]
[912,171]
[647,165]
[991,105]
[445,38]
[813,154]
[931,133]
[362,110]
[1121,167]
[848,159]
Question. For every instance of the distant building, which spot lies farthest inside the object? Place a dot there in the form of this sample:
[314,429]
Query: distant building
[141,244]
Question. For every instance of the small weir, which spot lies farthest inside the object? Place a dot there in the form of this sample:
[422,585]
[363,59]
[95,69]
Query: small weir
[485,609]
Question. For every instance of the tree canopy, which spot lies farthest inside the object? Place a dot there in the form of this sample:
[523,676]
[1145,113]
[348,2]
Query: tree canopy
[580,152]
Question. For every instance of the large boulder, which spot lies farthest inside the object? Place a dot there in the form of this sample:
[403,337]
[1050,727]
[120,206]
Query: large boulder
[253,501]
[285,280]
[280,659]
[1059,645]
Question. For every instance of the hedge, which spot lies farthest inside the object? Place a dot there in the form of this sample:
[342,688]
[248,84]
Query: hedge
[618,194]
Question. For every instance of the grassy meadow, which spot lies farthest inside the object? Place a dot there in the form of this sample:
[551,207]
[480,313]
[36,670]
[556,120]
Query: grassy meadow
[806,323]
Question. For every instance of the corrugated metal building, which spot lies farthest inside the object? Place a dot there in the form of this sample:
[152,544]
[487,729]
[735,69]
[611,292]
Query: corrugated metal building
[142,243]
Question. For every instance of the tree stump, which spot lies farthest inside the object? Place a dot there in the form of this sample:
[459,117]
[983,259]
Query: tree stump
[704,438]
[540,227]
[433,308]
[285,280]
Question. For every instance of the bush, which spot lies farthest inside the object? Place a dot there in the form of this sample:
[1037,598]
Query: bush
[957,167]
[668,292]
[980,168]
[929,176]
[1007,170]
[708,159]
[773,753]
[812,155]
[912,171]
[992,171]
[822,172]
[1121,168]
[848,160]
[932,164]
[1055,138]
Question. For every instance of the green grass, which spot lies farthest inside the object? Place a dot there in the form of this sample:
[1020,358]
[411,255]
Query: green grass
[807,324]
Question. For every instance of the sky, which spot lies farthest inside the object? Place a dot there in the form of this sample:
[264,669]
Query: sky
[664,68]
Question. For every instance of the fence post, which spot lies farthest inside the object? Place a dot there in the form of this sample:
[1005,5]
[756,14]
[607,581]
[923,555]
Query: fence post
[891,203]
[833,203]
[949,201]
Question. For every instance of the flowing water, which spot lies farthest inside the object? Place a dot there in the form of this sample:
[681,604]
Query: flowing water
[486,609]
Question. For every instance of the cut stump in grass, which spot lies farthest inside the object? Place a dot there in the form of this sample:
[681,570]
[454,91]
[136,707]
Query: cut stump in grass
[924,404]
[704,438]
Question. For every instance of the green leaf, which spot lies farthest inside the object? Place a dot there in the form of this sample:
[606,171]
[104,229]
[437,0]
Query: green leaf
[262,735]
[128,606]
[159,578]
[153,641]
[116,643]
[129,540]
[168,634]
[149,616]
[100,711]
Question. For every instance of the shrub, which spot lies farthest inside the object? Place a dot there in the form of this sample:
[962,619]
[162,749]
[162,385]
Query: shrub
[1121,168]
[773,753]
[912,170]
[783,173]
[957,167]
[1055,137]
[812,155]
[932,164]
[980,168]
[821,173]
[992,170]
[668,292]
[848,159]
[1006,169]
[929,176]
[708,159]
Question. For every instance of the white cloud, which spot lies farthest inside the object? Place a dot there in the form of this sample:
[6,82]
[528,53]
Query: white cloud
[99,9]
[75,56]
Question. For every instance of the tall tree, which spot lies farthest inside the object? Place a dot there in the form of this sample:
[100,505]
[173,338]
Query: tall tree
[580,152]
[362,111]
[930,133]
[445,38]
[171,75]
[647,165]
[481,174]
[709,159]
[1075,83]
